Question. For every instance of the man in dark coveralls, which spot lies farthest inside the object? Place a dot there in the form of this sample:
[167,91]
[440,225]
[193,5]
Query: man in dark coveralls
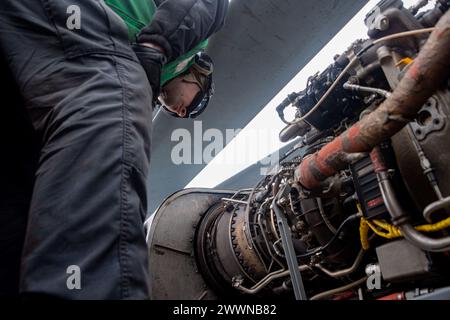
[73,186]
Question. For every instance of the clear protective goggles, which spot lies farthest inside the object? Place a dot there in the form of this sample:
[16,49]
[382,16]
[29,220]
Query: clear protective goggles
[200,74]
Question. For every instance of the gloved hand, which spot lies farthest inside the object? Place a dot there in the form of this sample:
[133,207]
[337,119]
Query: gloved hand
[152,61]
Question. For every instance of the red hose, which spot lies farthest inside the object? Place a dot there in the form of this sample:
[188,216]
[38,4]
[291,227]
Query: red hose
[429,70]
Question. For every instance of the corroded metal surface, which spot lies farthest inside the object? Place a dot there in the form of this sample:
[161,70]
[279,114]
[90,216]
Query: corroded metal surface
[429,70]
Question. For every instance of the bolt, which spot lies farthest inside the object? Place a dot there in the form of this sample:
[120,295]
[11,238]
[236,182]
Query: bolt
[383,24]
[300,225]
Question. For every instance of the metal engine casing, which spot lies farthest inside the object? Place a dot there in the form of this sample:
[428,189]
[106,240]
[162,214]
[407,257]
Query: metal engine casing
[434,121]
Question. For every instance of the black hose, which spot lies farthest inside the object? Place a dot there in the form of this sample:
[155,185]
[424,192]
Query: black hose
[401,219]
[333,239]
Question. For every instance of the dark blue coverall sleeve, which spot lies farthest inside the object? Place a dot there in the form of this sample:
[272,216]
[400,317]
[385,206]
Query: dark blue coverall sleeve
[74,227]
[178,26]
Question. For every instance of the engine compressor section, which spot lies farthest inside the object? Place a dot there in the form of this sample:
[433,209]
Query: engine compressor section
[358,209]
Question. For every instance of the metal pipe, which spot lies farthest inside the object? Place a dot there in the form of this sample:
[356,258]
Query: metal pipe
[398,215]
[357,87]
[430,69]
[268,279]
[401,219]
[394,36]
[414,9]
[343,272]
[424,242]
[425,163]
[266,241]
[436,206]
[324,217]
[234,200]
[349,286]
[288,247]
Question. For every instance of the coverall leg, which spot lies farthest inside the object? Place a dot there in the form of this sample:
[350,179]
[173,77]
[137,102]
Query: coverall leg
[89,102]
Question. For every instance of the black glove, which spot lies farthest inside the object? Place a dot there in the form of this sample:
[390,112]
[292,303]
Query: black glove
[152,60]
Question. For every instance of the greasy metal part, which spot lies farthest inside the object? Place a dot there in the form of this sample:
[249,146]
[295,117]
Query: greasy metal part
[430,18]
[227,251]
[291,259]
[349,286]
[439,205]
[391,17]
[439,294]
[401,219]
[424,242]
[272,225]
[246,254]
[291,131]
[172,253]
[388,63]
[429,70]
[377,160]
[335,237]
[241,191]
[239,232]
[209,254]
[425,163]
[324,217]
[266,240]
[343,272]
[351,64]
[434,142]
[356,87]
[419,5]
[340,252]
[234,200]
[367,72]
[398,215]
[264,210]
[267,280]
[429,120]
[246,217]
[401,261]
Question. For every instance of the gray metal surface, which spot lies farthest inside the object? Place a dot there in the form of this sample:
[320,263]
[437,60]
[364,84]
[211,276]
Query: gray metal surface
[173,268]
[262,46]
[439,294]
[401,261]
[288,249]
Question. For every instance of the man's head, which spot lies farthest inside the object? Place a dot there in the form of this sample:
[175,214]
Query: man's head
[187,95]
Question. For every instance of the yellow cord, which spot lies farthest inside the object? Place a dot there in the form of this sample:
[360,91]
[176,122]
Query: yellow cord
[363,230]
[404,62]
[364,234]
[390,231]
[435,226]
